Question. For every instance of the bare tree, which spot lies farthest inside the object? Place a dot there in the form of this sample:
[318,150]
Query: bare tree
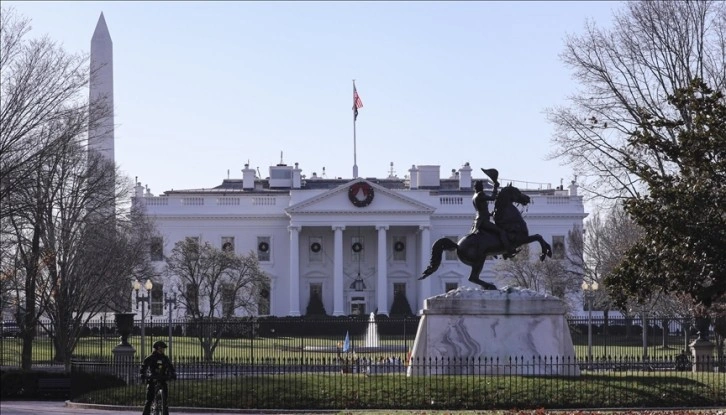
[608,237]
[559,278]
[95,250]
[70,252]
[40,86]
[9,269]
[214,285]
[77,254]
[653,49]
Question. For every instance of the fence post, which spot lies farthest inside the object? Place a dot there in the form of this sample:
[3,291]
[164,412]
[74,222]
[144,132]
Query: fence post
[702,348]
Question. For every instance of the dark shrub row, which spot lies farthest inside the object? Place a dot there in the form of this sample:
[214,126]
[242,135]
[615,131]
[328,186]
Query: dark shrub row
[28,384]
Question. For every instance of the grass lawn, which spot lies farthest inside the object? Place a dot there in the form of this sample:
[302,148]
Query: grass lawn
[396,391]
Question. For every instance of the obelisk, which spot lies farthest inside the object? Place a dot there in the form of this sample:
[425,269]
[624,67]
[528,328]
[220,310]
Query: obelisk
[100,127]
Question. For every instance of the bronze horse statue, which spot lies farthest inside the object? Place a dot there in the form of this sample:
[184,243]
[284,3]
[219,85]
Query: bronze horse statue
[474,248]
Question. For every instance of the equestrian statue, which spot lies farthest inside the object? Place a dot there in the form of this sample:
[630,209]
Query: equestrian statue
[508,232]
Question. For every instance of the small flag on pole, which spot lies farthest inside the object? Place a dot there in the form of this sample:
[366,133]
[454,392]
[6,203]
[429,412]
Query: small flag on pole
[357,103]
[346,343]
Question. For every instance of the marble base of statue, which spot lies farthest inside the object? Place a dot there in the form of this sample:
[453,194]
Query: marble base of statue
[510,331]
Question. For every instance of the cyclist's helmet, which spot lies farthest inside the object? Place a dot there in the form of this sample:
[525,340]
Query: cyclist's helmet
[159,344]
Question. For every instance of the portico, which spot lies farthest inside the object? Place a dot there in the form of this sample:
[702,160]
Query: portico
[348,250]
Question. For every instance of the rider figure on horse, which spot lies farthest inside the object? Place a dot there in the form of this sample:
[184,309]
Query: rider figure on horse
[482,220]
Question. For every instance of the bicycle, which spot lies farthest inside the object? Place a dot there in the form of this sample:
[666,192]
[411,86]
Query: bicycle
[157,405]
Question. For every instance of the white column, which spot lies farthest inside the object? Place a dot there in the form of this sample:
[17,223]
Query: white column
[382,285]
[425,256]
[294,270]
[338,309]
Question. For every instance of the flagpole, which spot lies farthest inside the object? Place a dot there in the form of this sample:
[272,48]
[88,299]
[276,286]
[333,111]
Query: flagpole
[355,162]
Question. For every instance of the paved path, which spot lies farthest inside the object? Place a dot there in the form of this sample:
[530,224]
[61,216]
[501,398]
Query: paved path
[53,408]
[60,408]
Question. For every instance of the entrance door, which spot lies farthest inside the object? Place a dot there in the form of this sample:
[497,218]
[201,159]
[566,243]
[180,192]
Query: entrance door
[358,305]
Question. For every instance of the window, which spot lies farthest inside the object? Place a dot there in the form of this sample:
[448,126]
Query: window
[281,174]
[263,300]
[192,299]
[315,253]
[156,250]
[399,288]
[358,306]
[451,255]
[558,247]
[228,300]
[450,286]
[228,244]
[157,300]
[399,248]
[263,248]
[357,247]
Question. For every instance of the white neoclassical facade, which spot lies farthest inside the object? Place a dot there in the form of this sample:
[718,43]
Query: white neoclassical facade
[354,242]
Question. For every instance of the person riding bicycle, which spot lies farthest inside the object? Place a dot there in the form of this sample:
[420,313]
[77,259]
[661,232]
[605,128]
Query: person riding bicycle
[157,367]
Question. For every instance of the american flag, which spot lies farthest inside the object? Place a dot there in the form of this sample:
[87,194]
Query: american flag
[357,103]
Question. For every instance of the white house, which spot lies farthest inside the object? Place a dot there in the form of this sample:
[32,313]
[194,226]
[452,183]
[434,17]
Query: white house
[355,242]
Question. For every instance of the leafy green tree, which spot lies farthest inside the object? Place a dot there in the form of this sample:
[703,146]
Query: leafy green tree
[683,215]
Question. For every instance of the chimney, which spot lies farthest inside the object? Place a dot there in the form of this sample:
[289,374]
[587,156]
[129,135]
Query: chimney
[465,176]
[413,174]
[139,190]
[573,188]
[429,176]
[248,178]
[296,177]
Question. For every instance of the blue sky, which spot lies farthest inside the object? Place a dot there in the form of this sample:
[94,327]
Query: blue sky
[203,87]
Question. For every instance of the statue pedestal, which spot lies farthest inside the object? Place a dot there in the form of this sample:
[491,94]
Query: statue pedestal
[511,331]
[124,364]
[702,353]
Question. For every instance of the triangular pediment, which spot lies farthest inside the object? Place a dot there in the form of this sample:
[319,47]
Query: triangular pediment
[338,200]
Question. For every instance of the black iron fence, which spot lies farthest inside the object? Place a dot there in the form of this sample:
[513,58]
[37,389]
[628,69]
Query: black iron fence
[458,383]
[300,338]
[307,363]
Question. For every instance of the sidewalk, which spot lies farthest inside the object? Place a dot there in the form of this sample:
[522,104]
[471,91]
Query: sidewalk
[70,408]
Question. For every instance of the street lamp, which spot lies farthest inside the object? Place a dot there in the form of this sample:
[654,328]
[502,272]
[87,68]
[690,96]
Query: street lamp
[143,299]
[589,290]
[170,301]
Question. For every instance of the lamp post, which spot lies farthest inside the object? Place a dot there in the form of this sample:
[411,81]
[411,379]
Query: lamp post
[170,301]
[143,299]
[589,290]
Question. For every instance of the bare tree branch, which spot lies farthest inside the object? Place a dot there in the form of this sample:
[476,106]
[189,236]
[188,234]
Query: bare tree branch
[652,49]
